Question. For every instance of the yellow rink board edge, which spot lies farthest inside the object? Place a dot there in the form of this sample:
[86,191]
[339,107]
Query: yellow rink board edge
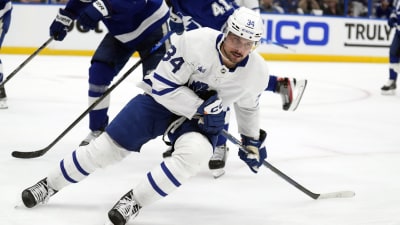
[272,57]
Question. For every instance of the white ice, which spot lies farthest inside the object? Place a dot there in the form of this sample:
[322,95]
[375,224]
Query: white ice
[344,136]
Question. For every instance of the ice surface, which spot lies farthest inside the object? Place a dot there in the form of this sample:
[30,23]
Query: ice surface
[344,136]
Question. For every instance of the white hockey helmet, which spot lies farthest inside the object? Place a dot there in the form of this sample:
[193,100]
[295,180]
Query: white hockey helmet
[245,23]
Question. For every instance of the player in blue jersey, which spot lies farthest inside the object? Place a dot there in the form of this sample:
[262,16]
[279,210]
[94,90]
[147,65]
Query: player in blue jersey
[135,25]
[394,53]
[203,73]
[5,18]
[192,14]
[207,13]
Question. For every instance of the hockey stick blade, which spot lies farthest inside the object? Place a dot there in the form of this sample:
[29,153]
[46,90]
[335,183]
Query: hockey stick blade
[29,155]
[339,194]
[300,88]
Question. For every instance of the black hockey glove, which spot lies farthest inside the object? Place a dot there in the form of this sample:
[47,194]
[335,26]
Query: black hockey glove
[60,25]
[91,16]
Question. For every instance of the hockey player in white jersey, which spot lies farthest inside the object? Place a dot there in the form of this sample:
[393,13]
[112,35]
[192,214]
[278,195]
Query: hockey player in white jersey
[203,73]
[187,15]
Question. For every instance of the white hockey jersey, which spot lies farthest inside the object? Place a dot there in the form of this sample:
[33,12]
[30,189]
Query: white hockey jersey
[193,64]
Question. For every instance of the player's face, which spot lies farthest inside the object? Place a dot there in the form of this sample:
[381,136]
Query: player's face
[236,48]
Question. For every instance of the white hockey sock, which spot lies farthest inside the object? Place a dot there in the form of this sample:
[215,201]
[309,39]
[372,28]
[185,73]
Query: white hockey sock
[192,151]
[75,167]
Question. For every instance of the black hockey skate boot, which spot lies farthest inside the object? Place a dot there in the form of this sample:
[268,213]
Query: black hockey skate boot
[2,92]
[389,88]
[125,209]
[38,193]
[3,98]
[218,159]
[285,88]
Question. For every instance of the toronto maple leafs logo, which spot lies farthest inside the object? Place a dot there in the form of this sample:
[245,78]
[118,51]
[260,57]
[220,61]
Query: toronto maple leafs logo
[199,88]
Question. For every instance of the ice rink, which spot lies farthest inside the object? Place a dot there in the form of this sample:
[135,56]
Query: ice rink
[344,136]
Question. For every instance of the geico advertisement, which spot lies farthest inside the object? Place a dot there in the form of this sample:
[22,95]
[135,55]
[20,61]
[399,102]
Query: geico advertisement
[314,35]
[325,35]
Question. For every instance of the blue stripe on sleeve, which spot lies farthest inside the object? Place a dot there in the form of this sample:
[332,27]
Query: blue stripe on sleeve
[165,81]
[163,92]
[173,85]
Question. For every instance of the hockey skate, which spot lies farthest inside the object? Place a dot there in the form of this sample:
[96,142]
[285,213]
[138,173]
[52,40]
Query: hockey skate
[291,91]
[125,209]
[3,98]
[38,193]
[389,88]
[218,160]
[92,135]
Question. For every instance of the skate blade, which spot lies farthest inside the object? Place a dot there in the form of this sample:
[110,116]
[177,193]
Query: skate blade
[19,205]
[389,92]
[3,105]
[217,173]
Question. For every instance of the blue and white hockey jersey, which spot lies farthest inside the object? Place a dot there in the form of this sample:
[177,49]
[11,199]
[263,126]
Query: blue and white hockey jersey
[5,19]
[204,13]
[5,7]
[130,21]
[193,65]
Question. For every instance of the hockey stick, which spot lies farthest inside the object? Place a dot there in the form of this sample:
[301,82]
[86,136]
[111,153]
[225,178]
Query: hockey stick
[339,194]
[300,88]
[26,62]
[281,45]
[38,153]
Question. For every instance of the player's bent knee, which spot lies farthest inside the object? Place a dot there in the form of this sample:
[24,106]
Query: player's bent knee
[194,150]
[103,151]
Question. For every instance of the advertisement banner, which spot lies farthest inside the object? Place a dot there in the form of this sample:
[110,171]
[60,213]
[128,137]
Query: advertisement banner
[287,37]
[335,37]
